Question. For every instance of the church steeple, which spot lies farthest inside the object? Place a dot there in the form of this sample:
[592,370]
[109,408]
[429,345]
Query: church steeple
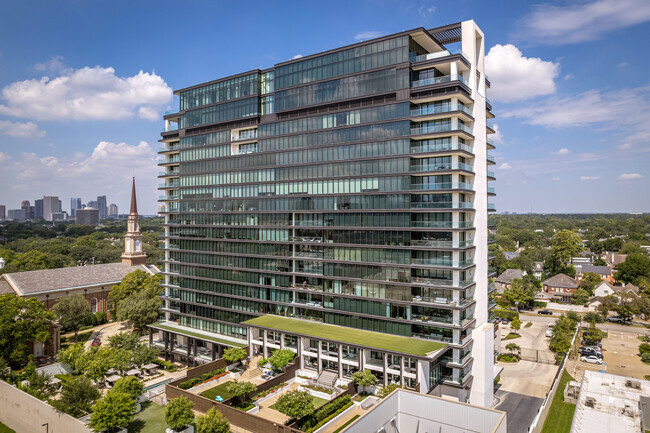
[133,253]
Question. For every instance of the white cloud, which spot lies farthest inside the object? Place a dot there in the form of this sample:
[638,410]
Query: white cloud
[581,21]
[297,56]
[497,137]
[556,178]
[569,77]
[364,36]
[54,64]
[514,77]
[21,130]
[107,170]
[563,151]
[505,166]
[425,11]
[4,157]
[629,176]
[622,65]
[589,177]
[87,94]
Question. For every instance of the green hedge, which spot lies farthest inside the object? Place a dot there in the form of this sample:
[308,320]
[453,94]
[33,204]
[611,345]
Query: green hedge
[505,314]
[202,378]
[165,364]
[323,415]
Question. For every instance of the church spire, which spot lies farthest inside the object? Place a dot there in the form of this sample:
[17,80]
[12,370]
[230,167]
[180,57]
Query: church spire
[134,202]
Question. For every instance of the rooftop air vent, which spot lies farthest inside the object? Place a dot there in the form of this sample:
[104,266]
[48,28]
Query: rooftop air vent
[633,384]
[590,402]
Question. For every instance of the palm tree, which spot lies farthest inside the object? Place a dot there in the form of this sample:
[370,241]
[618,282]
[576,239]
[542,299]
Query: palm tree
[512,347]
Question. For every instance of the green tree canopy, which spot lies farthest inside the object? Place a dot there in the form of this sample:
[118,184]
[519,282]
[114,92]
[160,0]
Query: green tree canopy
[566,245]
[129,385]
[141,309]
[281,358]
[124,340]
[520,292]
[580,297]
[240,389]
[132,283]
[71,312]
[364,378]
[295,404]
[636,266]
[234,354]
[212,422]
[77,396]
[113,411]
[589,282]
[178,413]
[21,321]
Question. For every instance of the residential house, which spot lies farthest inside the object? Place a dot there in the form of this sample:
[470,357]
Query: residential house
[504,281]
[607,288]
[560,287]
[510,255]
[604,272]
[538,270]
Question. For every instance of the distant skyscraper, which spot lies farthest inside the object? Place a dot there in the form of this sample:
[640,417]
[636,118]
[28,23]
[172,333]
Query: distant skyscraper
[75,203]
[38,208]
[51,205]
[101,206]
[25,205]
[16,214]
[92,204]
[3,209]
[87,216]
[112,210]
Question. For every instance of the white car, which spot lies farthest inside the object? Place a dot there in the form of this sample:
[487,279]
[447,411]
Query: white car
[591,359]
[549,332]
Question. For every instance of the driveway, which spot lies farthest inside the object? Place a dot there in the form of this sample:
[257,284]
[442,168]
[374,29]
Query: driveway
[527,378]
[521,409]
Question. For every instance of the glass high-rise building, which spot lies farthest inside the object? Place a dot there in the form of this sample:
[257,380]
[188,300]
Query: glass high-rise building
[102,207]
[346,190]
[75,203]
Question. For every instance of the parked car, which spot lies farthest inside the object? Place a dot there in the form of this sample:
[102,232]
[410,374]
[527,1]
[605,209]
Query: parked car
[591,353]
[525,308]
[591,343]
[594,348]
[497,320]
[96,342]
[547,312]
[591,359]
[505,321]
[549,332]
[614,319]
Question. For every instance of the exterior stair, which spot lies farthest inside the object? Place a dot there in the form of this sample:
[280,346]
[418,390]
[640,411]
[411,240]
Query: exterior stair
[253,370]
[327,378]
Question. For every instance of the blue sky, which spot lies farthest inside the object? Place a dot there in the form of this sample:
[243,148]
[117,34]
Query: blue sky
[84,85]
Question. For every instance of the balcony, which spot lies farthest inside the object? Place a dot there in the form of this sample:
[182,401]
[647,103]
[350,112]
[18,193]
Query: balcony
[417,166]
[491,143]
[438,282]
[491,190]
[438,80]
[249,134]
[168,147]
[440,108]
[169,197]
[439,54]
[490,126]
[426,148]
[308,254]
[440,244]
[443,205]
[443,262]
[433,129]
[441,186]
[244,151]
[491,206]
[306,239]
[443,224]
[491,174]
[431,319]
[169,173]
[171,159]
[491,158]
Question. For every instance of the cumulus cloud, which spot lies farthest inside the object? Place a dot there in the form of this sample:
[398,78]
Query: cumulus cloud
[297,56]
[514,77]
[106,170]
[20,130]
[425,11]
[582,21]
[54,64]
[589,177]
[87,94]
[629,176]
[497,137]
[363,36]
[563,151]
[4,157]
[505,166]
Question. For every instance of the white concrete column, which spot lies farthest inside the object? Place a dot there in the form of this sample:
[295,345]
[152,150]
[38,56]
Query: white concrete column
[320,352]
[453,69]
[340,361]
[282,341]
[385,369]
[300,353]
[264,350]
[401,371]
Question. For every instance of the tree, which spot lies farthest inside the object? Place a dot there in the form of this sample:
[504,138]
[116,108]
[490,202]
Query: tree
[129,385]
[613,244]
[112,412]
[295,404]
[591,317]
[124,340]
[364,378]
[580,297]
[71,312]
[144,354]
[77,396]
[589,281]
[520,292]
[281,358]
[607,304]
[553,266]
[132,283]
[141,308]
[75,356]
[240,389]
[234,354]
[178,413]
[635,266]
[212,422]
[515,325]
[626,306]
[566,245]
[120,359]
[31,261]
[22,321]
[38,383]
[512,347]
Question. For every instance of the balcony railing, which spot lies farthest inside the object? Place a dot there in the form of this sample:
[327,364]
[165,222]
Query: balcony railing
[491,190]
[441,205]
[443,262]
[250,134]
[244,151]
[491,142]
[439,282]
[441,186]
[168,112]
[443,224]
[441,244]
[439,54]
[425,148]
[491,206]
[490,126]
[490,158]
[431,319]
[168,146]
[417,166]
[491,174]
[439,108]
[446,127]
[438,80]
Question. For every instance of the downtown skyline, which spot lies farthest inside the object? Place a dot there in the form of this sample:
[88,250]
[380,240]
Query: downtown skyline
[82,100]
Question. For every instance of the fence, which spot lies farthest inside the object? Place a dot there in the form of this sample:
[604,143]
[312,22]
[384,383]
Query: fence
[542,412]
[537,355]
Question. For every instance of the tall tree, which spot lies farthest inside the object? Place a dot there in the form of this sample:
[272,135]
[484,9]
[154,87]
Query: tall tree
[636,266]
[566,245]
[589,281]
[71,312]
[112,412]
[77,396]
[140,309]
[22,321]
[136,282]
[179,413]
[295,404]
[212,422]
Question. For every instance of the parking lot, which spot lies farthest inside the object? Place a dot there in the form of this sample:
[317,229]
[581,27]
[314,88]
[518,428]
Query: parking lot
[621,353]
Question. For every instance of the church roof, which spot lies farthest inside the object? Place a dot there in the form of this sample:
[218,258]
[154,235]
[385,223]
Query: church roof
[134,202]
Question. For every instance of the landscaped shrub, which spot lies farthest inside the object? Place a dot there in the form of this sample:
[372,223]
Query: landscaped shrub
[539,304]
[202,378]
[506,314]
[325,414]
[165,364]
[318,389]
[646,357]
[644,348]
[267,392]
[387,390]
[503,357]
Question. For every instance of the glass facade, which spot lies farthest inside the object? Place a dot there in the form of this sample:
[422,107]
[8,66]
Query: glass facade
[342,199]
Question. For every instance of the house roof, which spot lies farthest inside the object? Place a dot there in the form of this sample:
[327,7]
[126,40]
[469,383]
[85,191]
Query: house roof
[600,270]
[605,283]
[561,280]
[619,289]
[538,266]
[52,280]
[5,288]
[509,255]
[615,259]
[508,275]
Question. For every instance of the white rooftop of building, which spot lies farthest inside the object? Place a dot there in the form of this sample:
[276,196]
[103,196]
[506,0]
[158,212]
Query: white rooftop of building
[609,403]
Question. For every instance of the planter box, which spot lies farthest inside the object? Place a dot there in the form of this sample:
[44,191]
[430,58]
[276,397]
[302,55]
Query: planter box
[271,395]
[335,419]
[318,394]
[188,429]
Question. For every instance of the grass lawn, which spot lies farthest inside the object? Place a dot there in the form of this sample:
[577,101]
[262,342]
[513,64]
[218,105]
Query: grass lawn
[528,325]
[150,420]
[358,337]
[318,402]
[64,377]
[217,390]
[350,421]
[198,335]
[561,414]
[511,336]
[5,429]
